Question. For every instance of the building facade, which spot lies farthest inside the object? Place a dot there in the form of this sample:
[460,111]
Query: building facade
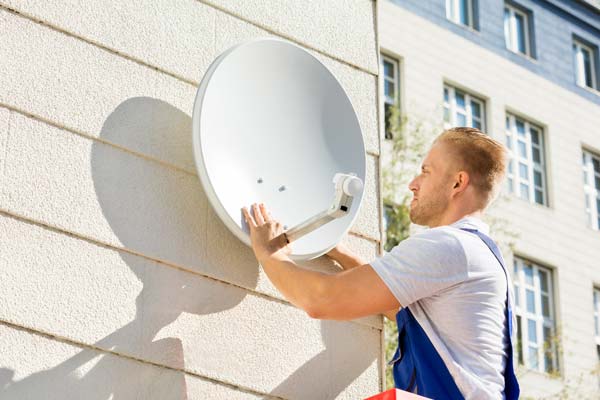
[527,73]
[117,278]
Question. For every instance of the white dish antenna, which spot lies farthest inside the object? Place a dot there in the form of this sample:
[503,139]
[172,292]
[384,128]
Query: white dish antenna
[271,124]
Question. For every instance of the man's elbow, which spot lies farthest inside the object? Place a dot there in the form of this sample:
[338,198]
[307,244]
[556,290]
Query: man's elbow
[321,304]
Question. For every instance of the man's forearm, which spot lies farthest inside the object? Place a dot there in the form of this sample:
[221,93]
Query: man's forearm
[300,286]
[346,259]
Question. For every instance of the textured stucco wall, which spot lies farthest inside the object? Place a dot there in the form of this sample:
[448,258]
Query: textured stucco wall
[554,236]
[117,278]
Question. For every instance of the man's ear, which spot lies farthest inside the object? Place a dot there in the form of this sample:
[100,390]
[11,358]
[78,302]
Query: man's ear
[461,181]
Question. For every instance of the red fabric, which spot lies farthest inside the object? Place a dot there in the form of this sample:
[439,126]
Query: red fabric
[395,394]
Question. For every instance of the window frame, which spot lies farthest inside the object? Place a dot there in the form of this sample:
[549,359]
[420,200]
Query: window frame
[520,287]
[450,105]
[597,315]
[395,101]
[511,41]
[513,177]
[453,12]
[579,65]
[591,192]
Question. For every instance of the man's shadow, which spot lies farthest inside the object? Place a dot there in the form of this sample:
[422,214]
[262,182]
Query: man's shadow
[162,213]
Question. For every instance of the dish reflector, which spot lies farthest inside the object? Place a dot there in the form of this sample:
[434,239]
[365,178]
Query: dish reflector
[271,124]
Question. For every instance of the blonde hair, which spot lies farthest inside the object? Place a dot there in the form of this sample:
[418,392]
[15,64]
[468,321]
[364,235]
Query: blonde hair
[482,157]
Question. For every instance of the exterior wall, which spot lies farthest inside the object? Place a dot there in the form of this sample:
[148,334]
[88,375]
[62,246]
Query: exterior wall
[117,276]
[555,236]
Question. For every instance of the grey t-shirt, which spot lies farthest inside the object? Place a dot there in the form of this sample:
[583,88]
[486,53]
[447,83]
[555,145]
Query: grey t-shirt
[456,289]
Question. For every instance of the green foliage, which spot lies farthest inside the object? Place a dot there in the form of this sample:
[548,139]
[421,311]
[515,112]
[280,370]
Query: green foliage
[410,140]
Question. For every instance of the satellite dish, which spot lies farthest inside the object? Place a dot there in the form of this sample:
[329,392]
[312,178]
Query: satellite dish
[271,124]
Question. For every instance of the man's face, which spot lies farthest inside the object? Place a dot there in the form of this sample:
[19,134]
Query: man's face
[431,188]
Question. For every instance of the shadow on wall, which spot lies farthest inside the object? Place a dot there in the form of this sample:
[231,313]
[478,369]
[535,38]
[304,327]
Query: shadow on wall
[164,213]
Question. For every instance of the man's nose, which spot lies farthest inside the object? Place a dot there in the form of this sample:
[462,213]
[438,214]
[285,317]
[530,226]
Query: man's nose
[412,185]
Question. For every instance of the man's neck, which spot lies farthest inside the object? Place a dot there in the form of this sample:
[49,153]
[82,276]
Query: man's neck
[451,217]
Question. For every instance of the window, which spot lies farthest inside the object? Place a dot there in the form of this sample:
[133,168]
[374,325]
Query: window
[534,309]
[585,68]
[462,109]
[591,183]
[391,84]
[597,319]
[517,30]
[461,12]
[526,173]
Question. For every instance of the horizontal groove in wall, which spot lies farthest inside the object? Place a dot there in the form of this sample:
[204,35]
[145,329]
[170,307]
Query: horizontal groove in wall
[164,263]
[162,70]
[284,36]
[81,345]
[136,153]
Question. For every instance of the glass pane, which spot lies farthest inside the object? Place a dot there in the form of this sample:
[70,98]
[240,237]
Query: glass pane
[510,184]
[596,164]
[475,109]
[517,297]
[545,306]
[522,149]
[476,124]
[543,280]
[532,331]
[533,357]
[461,120]
[528,274]
[587,66]
[508,141]
[520,128]
[460,100]
[464,12]
[524,191]
[537,178]
[529,295]
[536,155]
[507,27]
[510,166]
[520,33]
[519,341]
[539,196]
[507,120]
[446,95]
[523,172]
[388,69]
[548,365]
[389,89]
[597,181]
[535,136]
[446,114]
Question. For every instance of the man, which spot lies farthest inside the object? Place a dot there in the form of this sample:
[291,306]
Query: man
[448,282]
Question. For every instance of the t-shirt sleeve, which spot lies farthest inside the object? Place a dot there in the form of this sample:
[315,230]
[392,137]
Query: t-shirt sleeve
[423,265]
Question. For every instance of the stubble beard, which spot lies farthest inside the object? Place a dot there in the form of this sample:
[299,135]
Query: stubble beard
[425,211]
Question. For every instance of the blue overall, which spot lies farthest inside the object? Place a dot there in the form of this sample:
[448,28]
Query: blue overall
[418,365]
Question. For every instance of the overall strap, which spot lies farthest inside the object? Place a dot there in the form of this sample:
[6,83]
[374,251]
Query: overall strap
[511,386]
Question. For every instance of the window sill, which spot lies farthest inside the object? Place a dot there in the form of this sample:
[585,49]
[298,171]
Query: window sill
[513,195]
[589,89]
[522,371]
[525,56]
[465,27]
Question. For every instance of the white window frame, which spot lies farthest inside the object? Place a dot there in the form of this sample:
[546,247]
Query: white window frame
[514,179]
[597,314]
[450,105]
[580,77]
[510,30]
[541,321]
[453,12]
[392,101]
[592,193]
